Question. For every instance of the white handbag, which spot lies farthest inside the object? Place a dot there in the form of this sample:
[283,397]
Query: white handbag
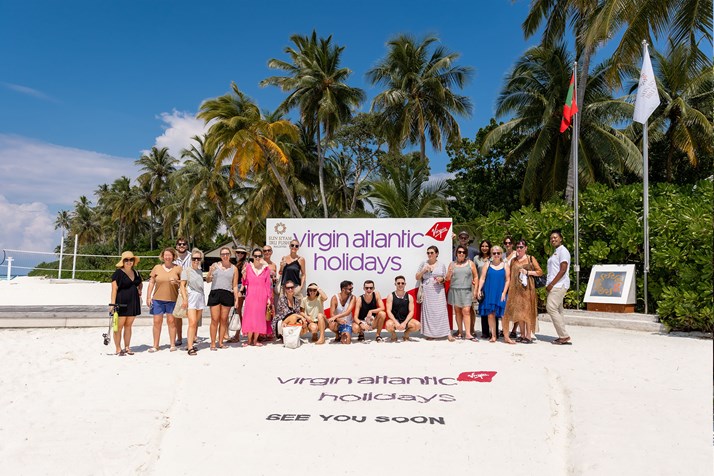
[234,321]
[291,336]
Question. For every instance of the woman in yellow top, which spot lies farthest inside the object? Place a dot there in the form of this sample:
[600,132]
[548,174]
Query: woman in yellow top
[312,307]
[162,293]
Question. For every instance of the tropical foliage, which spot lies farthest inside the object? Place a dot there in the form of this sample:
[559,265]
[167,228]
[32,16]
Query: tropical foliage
[330,160]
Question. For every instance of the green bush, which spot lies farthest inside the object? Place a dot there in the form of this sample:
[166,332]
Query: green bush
[611,231]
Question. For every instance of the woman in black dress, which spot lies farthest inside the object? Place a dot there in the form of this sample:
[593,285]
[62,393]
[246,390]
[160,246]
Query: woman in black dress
[292,268]
[126,290]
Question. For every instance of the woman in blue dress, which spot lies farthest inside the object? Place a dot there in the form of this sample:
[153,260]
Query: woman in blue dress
[494,282]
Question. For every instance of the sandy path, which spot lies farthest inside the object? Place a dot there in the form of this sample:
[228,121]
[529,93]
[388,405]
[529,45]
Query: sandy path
[616,402]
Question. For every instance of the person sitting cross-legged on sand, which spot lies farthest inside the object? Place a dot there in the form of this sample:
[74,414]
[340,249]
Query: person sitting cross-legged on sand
[287,311]
[312,309]
[369,312]
[400,311]
[342,307]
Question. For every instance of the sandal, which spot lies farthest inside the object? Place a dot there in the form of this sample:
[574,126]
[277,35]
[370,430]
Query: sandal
[378,339]
[562,342]
[153,349]
[192,351]
[360,337]
[213,348]
[233,340]
[172,349]
[128,351]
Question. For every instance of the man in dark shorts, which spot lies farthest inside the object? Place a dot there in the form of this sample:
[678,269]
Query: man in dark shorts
[183,259]
[370,312]
[400,311]
[342,308]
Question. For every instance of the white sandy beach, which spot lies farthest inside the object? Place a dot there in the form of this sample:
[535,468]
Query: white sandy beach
[616,402]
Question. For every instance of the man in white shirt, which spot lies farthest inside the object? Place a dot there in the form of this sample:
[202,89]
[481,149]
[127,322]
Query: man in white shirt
[183,259]
[557,284]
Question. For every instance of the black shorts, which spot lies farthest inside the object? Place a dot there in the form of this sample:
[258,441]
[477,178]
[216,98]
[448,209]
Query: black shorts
[222,297]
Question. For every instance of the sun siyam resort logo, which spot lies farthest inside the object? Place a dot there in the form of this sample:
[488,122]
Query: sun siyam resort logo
[280,228]
[439,231]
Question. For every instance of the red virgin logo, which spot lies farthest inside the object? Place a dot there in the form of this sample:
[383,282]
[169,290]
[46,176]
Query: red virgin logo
[439,231]
[476,376]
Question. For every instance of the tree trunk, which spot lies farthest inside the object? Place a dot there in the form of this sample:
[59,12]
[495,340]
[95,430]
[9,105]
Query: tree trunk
[583,73]
[321,173]
[288,196]
[225,220]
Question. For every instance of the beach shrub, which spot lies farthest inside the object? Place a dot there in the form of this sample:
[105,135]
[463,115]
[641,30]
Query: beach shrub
[611,231]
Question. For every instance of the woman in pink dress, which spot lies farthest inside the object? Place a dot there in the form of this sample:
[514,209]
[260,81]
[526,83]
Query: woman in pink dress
[258,297]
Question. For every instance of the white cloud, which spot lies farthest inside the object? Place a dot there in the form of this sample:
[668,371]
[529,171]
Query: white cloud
[27,226]
[33,171]
[441,176]
[28,91]
[179,129]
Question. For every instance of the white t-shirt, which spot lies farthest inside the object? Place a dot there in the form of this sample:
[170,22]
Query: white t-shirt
[184,262]
[559,255]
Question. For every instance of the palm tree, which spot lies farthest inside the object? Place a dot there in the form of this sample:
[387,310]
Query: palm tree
[85,223]
[533,95]
[205,181]
[157,166]
[118,203]
[588,34]
[316,83]
[418,99]
[686,89]
[403,191]
[241,133]
[682,21]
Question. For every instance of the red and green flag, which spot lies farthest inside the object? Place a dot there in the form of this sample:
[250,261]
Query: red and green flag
[571,106]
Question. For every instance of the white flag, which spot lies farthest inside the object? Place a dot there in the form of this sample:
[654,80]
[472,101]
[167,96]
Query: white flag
[647,95]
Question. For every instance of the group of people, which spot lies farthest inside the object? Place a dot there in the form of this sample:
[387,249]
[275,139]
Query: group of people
[497,283]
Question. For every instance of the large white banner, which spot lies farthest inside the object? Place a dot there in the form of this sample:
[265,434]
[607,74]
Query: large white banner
[358,249]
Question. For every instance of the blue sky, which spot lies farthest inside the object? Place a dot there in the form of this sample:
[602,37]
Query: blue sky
[85,86]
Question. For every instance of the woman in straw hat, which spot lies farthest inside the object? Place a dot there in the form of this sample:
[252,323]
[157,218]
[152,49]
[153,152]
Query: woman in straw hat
[126,290]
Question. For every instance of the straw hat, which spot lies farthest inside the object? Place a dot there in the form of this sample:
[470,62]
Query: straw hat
[240,249]
[127,255]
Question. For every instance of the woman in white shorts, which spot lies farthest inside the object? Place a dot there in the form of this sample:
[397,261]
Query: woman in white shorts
[194,300]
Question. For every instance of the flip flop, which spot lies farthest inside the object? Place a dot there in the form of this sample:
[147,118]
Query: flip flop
[561,342]
[213,348]
[378,339]
[172,349]
[153,349]
[473,339]
[128,352]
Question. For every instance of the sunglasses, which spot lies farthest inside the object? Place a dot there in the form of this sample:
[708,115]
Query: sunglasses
[289,287]
[368,288]
[267,251]
[196,258]
[349,289]
[507,243]
[520,247]
[496,253]
[128,260]
[257,256]
[181,244]
[311,290]
[461,252]
[294,246]
[400,283]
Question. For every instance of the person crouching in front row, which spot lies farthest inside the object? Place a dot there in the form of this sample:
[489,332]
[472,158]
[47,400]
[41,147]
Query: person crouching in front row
[342,307]
[400,311]
[312,310]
